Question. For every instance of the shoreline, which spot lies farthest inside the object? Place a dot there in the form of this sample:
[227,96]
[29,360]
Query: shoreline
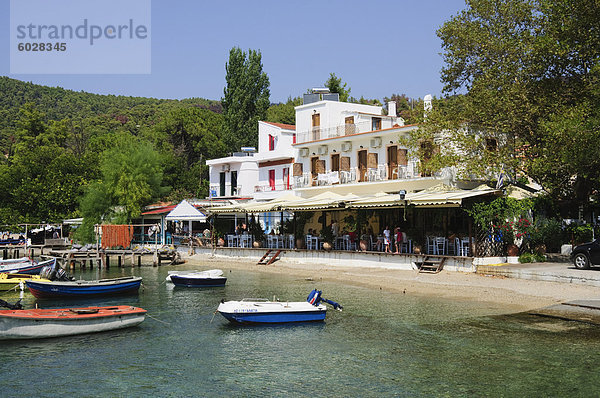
[513,294]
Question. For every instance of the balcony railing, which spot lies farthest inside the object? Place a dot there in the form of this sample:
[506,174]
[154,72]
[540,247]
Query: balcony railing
[216,188]
[269,187]
[321,133]
[354,175]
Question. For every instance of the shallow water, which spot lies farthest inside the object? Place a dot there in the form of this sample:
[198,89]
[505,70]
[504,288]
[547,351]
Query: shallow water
[381,344]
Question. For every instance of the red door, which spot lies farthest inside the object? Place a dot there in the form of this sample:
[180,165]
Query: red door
[272,179]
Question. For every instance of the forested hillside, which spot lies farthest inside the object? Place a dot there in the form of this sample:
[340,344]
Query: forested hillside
[58,145]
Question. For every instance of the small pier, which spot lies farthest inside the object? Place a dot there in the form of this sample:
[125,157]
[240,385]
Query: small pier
[13,251]
[107,258]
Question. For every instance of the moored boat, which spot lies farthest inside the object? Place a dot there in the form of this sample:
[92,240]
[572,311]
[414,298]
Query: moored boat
[16,281]
[83,288]
[248,311]
[208,278]
[25,265]
[42,323]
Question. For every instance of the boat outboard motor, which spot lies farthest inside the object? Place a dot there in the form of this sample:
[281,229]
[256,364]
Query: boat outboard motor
[49,271]
[62,275]
[315,299]
[45,272]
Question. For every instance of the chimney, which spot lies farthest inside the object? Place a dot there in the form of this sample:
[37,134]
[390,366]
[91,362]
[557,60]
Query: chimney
[392,108]
[426,105]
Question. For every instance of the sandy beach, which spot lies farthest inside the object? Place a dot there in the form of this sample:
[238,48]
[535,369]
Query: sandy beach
[513,294]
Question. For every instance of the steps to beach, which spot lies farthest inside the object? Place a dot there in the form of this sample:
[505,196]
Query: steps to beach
[431,264]
[270,257]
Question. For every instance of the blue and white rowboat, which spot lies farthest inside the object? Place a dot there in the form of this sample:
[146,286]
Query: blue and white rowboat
[25,266]
[83,289]
[209,278]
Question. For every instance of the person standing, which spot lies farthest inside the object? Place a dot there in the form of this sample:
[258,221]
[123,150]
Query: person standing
[398,238]
[387,239]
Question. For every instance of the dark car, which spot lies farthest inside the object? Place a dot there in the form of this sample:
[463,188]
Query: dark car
[587,254]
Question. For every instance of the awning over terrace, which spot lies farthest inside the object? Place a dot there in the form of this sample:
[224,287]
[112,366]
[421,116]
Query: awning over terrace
[437,196]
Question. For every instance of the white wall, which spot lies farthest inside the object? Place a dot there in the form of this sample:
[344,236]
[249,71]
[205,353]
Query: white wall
[247,174]
[283,142]
[331,113]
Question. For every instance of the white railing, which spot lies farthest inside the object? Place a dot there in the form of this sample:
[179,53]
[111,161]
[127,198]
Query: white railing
[217,189]
[269,187]
[321,133]
[379,173]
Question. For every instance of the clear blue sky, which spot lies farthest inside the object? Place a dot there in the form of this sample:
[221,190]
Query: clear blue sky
[379,47]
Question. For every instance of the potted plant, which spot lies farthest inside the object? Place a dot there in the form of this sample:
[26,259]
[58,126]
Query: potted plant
[301,218]
[255,229]
[327,236]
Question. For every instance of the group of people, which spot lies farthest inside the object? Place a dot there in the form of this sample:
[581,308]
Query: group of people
[396,238]
[240,229]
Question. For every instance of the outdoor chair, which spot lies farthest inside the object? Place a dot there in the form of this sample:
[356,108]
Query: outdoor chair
[465,244]
[440,245]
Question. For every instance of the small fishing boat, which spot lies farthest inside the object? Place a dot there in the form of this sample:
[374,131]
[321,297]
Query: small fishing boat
[248,311]
[16,281]
[11,261]
[42,323]
[25,265]
[83,288]
[208,278]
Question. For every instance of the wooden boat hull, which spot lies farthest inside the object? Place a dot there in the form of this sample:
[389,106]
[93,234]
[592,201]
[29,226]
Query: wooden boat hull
[264,312]
[82,289]
[44,323]
[194,281]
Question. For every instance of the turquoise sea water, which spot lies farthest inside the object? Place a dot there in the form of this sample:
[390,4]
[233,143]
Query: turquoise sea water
[382,344]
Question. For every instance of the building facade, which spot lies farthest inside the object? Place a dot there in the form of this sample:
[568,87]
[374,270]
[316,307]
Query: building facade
[354,148]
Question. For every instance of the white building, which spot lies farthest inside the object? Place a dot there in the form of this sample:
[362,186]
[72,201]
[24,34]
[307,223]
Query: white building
[261,175]
[354,148]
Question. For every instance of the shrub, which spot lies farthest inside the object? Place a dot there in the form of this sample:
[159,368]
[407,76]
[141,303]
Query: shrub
[580,233]
[548,232]
[531,258]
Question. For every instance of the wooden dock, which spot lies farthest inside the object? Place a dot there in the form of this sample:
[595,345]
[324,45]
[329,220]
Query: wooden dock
[102,258]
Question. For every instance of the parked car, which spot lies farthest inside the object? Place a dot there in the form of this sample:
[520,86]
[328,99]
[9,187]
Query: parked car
[586,254]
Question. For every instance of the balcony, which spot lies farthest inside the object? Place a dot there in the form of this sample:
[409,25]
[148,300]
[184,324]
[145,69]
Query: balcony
[353,175]
[217,190]
[321,133]
[269,187]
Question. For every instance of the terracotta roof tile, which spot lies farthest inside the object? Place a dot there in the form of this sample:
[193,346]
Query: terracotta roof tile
[283,126]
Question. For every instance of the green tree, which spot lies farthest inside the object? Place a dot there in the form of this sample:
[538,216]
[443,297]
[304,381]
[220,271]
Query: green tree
[42,180]
[188,137]
[526,73]
[409,109]
[131,177]
[335,85]
[246,97]
[284,112]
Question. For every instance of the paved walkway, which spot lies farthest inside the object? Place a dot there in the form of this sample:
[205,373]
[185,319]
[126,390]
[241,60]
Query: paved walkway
[553,272]
[587,311]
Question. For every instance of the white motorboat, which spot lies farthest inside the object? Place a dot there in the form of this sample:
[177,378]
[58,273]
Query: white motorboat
[266,311]
[212,273]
